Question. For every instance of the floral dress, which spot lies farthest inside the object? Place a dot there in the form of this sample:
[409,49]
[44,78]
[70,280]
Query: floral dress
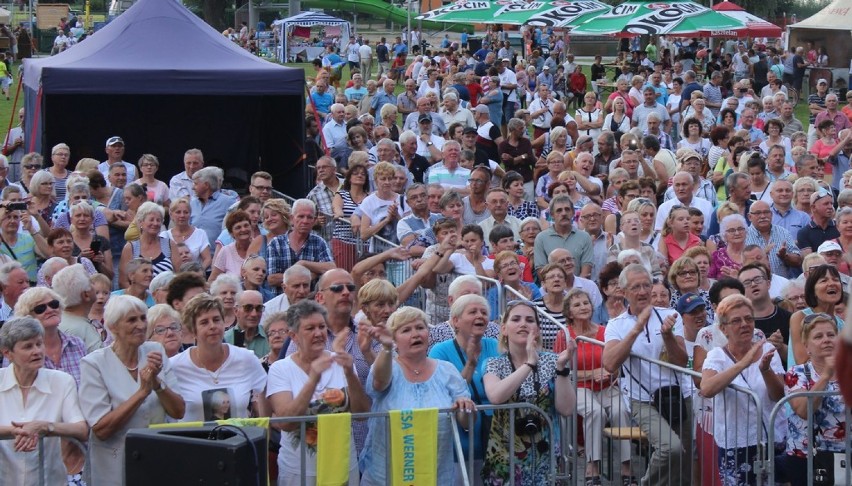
[829,419]
[532,451]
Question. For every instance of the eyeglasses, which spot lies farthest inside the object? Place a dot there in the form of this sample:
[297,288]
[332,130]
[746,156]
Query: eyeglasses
[817,316]
[741,320]
[252,307]
[755,281]
[338,288]
[687,273]
[264,188]
[642,286]
[759,214]
[41,308]
[741,229]
[161,330]
[277,332]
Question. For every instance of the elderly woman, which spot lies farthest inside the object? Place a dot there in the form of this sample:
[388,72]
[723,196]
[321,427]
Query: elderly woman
[180,214]
[823,291]
[555,166]
[729,258]
[127,385]
[683,279]
[232,256]
[87,244]
[701,257]
[693,138]
[699,111]
[507,266]
[253,276]
[30,164]
[622,88]
[380,210]
[802,190]
[554,285]
[19,241]
[818,374]
[275,328]
[311,381]
[213,366]
[140,271]
[60,156]
[43,194]
[252,206]
[754,366]
[411,380]
[276,221]
[225,288]
[388,116]
[51,411]
[164,328]
[160,250]
[630,238]
[525,374]
[61,244]
[468,352]
[599,399]
[134,196]
[723,210]
[156,190]
[773,129]
[530,228]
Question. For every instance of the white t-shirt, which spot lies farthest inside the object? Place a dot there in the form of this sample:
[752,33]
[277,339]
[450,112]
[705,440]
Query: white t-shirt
[225,393]
[423,149]
[196,242]
[353,52]
[365,52]
[286,376]
[508,77]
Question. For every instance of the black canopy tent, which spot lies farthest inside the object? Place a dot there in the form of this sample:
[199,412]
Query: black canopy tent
[165,81]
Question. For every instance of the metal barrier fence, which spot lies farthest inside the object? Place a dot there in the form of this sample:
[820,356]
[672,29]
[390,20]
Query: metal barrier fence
[824,469]
[66,442]
[464,464]
[664,443]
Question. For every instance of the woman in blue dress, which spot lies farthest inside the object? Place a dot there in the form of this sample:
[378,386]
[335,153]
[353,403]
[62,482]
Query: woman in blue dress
[409,381]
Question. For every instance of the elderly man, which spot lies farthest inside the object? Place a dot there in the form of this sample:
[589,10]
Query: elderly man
[357,91]
[809,166]
[840,156]
[562,234]
[429,144]
[784,255]
[13,282]
[209,205]
[776,166]
[756,135]
[653,122]
[415,119]
[49,269]
[497,201]
[509,87]
[181,184]
[386,96]
[566,260]
[321,98]
[561,111]
[299,245]
[591,219]
[783,212]
[689,85]
[767,90]
[297,287]
[691,162]
[821,226]
[475,206]
[841,122]
[647,331]
[248,333]
[327,186]
[641,112]
[713,93]
[683,187]
[415,163]
[791,123]
[449,173]
[453,113]
[461,286]
[738,187]
[73,285]
[334,131]
[115,153]
[488,135]
[366,100]
[418,222]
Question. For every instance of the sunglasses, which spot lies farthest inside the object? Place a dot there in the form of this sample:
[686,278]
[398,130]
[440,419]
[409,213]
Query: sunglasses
[32,167]
[41,308]
[338,288]
[817,316]
[252,307]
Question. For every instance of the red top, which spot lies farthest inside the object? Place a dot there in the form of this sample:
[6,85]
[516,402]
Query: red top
[674,250]
[589,356]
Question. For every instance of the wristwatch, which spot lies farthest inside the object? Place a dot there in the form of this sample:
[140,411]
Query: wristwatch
[161,388]
[429,144]
[51,428]
[566,371]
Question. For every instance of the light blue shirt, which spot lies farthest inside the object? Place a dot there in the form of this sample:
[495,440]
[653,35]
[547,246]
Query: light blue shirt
[208,216]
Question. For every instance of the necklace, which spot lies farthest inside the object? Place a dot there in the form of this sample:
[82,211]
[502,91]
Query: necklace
[122,362]
[410,368]
[213,375]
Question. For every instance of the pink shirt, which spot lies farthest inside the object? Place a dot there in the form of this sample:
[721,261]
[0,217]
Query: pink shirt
[674,250]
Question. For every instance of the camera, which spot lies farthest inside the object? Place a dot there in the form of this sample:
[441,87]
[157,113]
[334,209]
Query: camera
[17,206]
[527,425]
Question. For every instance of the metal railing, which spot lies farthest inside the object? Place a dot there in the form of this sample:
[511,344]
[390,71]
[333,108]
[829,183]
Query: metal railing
[42,476]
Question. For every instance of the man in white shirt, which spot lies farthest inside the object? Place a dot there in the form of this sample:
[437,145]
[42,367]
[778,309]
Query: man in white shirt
[683,185]
[541,111]
[509,85]
[334,132]
[365,52]
[181,184]
[453,113]
[353,54]
[115,152]
[649,332]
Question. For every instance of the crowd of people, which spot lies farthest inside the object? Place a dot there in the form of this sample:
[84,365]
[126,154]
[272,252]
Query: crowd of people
[670,221]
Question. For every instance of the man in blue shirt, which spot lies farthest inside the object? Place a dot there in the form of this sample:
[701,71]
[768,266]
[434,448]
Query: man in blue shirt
[209,205]
[383,97]
[322,99]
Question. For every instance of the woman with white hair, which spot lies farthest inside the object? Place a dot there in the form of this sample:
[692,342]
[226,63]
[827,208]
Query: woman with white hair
[164,328]
[253,276]
[60,156]
[35,402]
[43,194]
[129,384]
[726,260]
[159,249]
[87,244]
[226,287]
[802,190]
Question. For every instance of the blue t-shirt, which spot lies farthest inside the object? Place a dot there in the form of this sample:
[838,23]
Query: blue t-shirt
[322,101]
[447,351]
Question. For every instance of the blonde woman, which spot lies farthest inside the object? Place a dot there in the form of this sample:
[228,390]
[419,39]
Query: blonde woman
[182,231]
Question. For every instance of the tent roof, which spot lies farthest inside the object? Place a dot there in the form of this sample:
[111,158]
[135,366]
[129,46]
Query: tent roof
[160,47]
[310,19]
[837,15]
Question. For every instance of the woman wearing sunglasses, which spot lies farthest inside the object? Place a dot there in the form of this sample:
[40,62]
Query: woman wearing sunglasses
[525,374]
[823,291]
[164,328]
[750,365]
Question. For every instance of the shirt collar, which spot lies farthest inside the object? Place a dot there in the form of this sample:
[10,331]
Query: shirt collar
[9,381]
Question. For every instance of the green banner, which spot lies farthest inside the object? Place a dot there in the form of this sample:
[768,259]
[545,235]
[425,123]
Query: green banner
[638,18]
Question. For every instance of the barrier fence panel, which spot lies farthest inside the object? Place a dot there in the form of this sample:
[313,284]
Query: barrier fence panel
[631,425]
[823,435]
[465,468]
[65,442]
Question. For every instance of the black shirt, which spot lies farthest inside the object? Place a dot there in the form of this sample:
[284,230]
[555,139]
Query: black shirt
[811,236]
[418,167]
[598,72]
[779,320]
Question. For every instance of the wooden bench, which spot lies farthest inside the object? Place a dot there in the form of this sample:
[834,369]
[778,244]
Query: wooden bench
[625,433]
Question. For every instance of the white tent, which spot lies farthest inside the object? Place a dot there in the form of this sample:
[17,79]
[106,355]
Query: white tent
[830,27]
[308,19]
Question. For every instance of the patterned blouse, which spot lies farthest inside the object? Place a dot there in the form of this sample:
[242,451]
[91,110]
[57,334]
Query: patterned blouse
[524,210]
[829,418]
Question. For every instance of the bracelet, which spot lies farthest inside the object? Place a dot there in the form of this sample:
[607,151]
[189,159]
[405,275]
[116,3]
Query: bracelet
[566,371]
[440,255]
[532,366]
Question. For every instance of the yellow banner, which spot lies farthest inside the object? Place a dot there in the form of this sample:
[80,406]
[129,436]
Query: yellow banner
[414,447]
[334,432]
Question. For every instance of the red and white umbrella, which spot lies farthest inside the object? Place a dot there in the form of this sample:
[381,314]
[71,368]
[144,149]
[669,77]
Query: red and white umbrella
[753,26]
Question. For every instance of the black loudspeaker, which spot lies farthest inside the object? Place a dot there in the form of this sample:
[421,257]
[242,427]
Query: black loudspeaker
[209,455]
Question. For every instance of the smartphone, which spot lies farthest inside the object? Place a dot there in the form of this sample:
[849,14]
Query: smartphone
[95,246]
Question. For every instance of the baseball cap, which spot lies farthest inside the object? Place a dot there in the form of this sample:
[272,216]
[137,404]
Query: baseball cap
[685,154]
[546,68]
[425,117]
[481,109]
[689,302]
[469,130]
[822,81]
[114,141]
[828,246]
[505,59]
[821,193]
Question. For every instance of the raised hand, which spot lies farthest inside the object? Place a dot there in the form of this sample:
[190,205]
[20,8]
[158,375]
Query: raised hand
[642,319]
[753,355]
[473,348]
[766,360]
[399,253]
[564,358]
[532,347]
[668,324]
[320,364]
[829,367]
[382,334]
[776,339]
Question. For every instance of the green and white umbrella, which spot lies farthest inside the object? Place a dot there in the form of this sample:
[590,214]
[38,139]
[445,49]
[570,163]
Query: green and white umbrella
[677,17]
[553,13]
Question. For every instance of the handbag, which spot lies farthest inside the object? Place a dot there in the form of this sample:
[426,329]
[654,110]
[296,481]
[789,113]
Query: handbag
[828,466]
